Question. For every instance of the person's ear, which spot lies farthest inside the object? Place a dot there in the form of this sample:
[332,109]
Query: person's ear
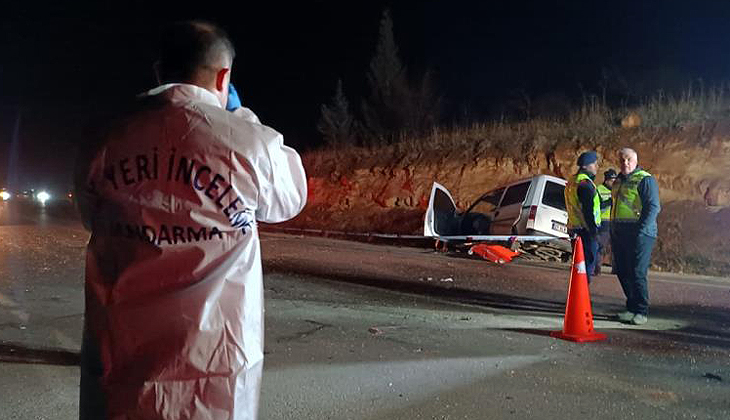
[220,79]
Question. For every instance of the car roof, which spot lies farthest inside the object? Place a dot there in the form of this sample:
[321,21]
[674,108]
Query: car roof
[552,178]
[555,179]
[535,177]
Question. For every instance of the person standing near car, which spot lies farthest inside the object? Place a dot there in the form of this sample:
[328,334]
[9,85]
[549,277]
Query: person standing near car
[584,208]
[604,230]
[633,233]
[172,191]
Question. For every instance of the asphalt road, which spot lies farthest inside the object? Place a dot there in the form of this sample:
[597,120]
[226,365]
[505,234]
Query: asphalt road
[359,331]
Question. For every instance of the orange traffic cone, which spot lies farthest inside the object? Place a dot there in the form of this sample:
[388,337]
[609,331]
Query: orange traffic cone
[578,324]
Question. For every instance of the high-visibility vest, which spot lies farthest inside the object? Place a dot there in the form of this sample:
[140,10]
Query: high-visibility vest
[573,205]
[605,195]
[626,201]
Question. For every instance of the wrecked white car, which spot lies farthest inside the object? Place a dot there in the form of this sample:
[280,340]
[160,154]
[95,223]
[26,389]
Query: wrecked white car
[530,211]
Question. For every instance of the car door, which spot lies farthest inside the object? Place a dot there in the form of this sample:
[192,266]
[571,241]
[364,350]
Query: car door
[551,216]
[441,218]
[509,208]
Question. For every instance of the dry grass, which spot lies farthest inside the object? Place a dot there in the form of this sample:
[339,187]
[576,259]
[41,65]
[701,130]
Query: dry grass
[691,107]
[593,124]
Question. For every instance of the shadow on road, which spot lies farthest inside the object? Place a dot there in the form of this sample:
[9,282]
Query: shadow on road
[707,326]
[697,325]
[14,353]
[457,294]
[532,331]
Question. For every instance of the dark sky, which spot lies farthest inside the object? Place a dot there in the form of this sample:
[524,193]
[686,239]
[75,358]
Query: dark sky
[60,64]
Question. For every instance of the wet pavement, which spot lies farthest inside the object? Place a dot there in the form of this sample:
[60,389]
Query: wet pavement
[358,331]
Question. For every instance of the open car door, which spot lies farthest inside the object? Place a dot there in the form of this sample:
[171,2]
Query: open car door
[441,218]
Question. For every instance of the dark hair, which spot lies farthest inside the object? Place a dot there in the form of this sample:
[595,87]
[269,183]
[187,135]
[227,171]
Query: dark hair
[186,47]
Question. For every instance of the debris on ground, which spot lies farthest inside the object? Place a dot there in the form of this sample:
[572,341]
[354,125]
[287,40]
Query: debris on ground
[375,331]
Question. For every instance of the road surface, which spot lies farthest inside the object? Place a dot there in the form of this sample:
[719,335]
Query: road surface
[359,331]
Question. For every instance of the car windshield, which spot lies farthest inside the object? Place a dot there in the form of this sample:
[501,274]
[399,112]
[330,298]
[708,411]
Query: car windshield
[554,195]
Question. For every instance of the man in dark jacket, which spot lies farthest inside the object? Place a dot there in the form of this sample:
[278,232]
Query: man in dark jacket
[633,233]
[584,208]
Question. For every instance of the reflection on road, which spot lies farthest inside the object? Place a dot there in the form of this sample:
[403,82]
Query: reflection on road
[22,212]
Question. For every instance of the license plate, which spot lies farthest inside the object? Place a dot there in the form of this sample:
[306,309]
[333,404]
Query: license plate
[560,227]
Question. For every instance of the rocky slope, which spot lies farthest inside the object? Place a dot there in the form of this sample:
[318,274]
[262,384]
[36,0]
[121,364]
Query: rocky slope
[386,190]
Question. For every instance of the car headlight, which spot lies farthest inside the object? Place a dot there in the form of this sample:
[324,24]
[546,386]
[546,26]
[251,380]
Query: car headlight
[43,197]
[5,196]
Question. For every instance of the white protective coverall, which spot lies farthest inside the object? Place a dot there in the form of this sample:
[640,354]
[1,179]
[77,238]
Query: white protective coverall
[174,298]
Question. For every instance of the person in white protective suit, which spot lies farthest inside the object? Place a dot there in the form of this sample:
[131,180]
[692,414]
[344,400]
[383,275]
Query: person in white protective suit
[172,192]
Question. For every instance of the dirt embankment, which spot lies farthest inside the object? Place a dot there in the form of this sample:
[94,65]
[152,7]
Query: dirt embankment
[387,190]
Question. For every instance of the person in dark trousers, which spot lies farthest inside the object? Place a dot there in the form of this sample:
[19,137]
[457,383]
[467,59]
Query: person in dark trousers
[604,230]
[633,233]
[584,208]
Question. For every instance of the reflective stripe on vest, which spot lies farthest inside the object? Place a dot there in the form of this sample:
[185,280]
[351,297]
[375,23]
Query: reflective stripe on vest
[573,205]
[605,194]
[626,201]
